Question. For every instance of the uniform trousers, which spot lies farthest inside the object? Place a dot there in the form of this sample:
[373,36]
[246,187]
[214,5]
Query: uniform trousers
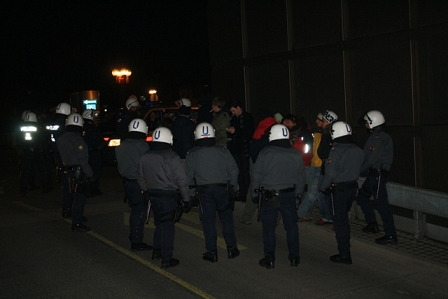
[214,200]
[369,188]
[67,198]
[138,205]
[342,202]
[164,206]
[78,198]
[285,204]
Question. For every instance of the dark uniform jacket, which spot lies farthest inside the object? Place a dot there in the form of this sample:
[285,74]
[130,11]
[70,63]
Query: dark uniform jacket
[342,165]
[378,151]
[128,154]
[211,165]
[74,151]
[163,170]
[279,168]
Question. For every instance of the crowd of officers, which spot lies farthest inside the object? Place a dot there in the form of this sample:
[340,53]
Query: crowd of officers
[280,166]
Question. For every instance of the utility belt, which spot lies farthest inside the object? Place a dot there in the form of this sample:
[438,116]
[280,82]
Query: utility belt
[377,172]
[273,192]
[201,188]
[128,180]
[162,194]
[78,184]
[344,185]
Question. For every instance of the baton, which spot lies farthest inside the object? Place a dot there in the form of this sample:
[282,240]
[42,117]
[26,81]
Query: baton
[378,187]
[148,210]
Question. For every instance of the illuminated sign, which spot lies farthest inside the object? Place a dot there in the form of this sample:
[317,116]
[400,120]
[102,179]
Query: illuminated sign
[90,104]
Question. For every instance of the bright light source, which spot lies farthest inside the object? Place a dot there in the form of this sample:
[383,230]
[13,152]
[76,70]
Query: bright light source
[114,142]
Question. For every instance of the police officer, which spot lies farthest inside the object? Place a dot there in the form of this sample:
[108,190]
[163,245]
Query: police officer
[57,128]
[124,117]
[280,171]
[128,153]
[31,142]
[340,182]
[378,157]
[211,166]
[161,175]
[93,137]
[77,171]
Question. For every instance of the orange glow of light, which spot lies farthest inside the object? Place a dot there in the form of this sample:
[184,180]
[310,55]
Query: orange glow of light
[106,139]
[148,138]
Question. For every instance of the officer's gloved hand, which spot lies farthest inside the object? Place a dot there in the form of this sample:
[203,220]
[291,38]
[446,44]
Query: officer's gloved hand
[298,200]
[194,200]
[326,191]
[186,205]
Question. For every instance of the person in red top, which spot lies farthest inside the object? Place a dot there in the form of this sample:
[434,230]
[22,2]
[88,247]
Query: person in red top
[300,137]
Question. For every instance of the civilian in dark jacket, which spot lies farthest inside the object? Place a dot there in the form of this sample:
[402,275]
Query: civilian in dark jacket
[240,132]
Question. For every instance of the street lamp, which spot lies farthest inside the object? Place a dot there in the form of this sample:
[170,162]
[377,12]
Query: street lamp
[153,97]
[121,76]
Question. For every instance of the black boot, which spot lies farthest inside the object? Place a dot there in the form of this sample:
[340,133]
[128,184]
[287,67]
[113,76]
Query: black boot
[371,228]
[392,239]
[211,256]
[295,260]
[267,262]
[141,246]
[171,263]
[233,253]
[341,259]
[156,254]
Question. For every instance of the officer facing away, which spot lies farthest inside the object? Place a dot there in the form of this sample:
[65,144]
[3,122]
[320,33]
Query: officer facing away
[341,183]
[378,157]
[161,175]
[31,143]
[125,117]
[280,171]
[211,166]
[93,137]
[77,171]
[128,154]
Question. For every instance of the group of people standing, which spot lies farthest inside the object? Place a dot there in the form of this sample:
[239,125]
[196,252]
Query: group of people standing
[278,166]
[280,162]
[71,142]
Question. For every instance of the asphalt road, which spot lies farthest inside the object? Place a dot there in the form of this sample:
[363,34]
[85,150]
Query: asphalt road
[41,258]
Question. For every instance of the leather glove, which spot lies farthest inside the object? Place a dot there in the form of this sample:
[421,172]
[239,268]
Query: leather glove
[186,205]
[326,191]
[298,200]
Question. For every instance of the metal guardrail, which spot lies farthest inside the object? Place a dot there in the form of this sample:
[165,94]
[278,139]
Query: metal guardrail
[420,201]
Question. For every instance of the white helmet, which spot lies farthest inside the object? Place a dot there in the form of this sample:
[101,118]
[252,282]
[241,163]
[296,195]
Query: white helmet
[278,132]
[30,117]
[88,114]
[132,102]
[185,102]
[204,131]
[162,134]
[24,114]
[63,108]
[74,119]
[339,129]
[138,125]
[329,116]
[374,118]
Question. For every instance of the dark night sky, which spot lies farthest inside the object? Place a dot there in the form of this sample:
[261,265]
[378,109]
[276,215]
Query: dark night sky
[54,48]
